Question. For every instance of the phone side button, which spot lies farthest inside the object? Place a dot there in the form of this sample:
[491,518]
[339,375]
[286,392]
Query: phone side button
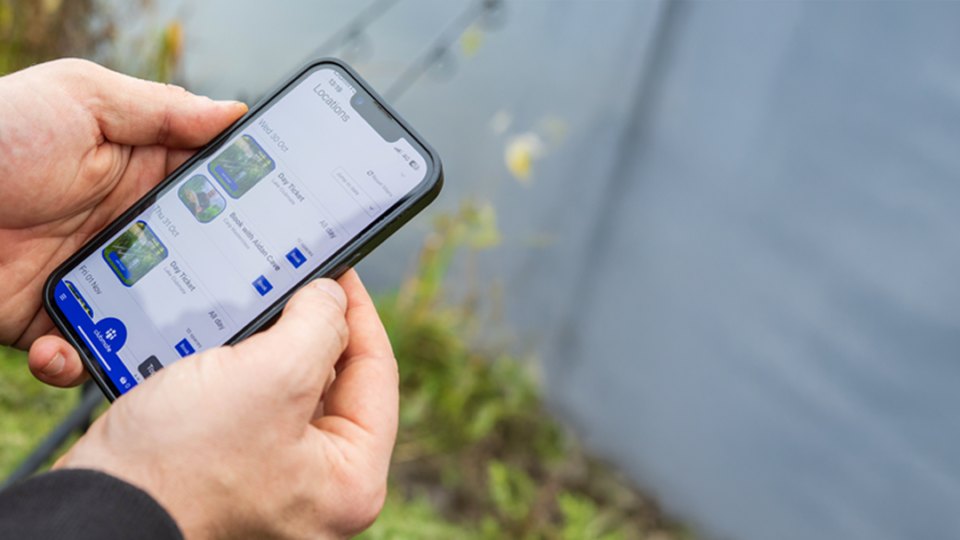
[356,258]
[348,265]
[340,271]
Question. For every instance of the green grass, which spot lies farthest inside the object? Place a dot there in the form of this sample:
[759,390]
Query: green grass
[29,410]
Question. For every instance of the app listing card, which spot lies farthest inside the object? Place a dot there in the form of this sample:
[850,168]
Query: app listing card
[134,253]
[241,166]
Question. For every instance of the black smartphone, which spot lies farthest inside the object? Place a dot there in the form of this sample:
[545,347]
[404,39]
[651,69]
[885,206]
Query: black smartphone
[306,184]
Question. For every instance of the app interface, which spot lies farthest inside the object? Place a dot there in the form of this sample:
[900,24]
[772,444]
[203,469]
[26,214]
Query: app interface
[238,231]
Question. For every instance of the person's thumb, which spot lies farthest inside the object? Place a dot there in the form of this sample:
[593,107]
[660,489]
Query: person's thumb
[137,112]
[298,353]
[54,361]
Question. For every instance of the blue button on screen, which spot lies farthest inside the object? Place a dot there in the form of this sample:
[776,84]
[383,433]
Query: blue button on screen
[185,348]
[296,258]
[262,285]
[120,266]
[226,178]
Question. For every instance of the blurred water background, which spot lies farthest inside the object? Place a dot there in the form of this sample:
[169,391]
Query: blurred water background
[729,229]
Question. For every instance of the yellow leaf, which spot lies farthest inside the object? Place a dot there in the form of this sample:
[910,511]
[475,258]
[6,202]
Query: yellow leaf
[471,41]
[520,154]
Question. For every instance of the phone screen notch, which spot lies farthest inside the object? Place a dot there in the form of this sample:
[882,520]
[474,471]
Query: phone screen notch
[376,116]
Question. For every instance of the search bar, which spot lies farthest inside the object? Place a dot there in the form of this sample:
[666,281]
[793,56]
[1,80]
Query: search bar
[354,190]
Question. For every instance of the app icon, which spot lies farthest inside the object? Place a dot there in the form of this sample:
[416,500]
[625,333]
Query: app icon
[110,334]
[150,366]
[241,166]
[134,253]
[296,258]
[201,198]
[262,285]
[184,348]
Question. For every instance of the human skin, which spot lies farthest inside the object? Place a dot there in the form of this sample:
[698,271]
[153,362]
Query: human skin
[79,144]
[255,440]
[233,442]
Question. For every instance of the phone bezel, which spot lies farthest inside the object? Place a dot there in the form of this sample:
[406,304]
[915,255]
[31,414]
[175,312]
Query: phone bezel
[334,266]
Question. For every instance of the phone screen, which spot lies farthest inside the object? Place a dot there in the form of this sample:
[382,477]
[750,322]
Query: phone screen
[242,227]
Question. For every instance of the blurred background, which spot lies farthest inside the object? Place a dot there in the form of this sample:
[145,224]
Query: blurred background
[718,239]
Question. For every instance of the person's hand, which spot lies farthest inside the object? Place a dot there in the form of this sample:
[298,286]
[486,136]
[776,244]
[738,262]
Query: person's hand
[78,145]
[233,441]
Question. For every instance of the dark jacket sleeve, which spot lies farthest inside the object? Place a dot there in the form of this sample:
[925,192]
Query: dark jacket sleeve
[81,505]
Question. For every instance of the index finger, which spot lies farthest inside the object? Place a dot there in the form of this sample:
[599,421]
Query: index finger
[137,112]
[366,390]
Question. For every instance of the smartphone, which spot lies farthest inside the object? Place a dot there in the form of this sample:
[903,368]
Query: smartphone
[305,185]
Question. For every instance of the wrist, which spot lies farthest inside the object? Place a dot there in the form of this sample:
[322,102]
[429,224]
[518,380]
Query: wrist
[194,513]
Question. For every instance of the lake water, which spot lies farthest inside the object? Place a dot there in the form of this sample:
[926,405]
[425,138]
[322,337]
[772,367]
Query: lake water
[737,254]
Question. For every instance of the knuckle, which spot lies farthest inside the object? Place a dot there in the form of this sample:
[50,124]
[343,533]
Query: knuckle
[176,90]
[377,501]
[75,65]
[367,508]
[387,367]
[176,94]
[375,505]
[74,72]
[163,134]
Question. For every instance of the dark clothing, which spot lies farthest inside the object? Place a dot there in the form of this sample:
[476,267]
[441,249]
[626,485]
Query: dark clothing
[82,505]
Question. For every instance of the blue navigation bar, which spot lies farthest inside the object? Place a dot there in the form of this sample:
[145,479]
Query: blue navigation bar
[104,338]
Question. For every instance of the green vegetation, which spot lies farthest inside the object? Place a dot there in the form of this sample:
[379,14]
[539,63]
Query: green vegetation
[28,409]
[478,455]
[36,31]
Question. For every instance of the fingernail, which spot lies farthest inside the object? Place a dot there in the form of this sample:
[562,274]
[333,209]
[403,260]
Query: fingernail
[230,103]
[330,287]
[55,366]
